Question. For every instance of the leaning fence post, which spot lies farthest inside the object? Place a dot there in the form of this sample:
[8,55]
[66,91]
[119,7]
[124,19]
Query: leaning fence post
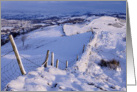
[83,48]
[46,60]
[66,64]
[57,63]
[52,59]
[17,55]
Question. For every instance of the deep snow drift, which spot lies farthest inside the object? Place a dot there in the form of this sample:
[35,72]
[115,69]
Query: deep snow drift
[107,42]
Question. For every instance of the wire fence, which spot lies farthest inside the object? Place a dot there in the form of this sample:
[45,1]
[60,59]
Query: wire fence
[11,70]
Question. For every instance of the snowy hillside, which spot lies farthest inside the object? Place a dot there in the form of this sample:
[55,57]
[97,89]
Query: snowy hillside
[105,40]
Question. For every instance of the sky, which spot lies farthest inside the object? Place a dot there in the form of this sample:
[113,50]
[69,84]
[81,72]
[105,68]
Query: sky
[60,4]
[62,7]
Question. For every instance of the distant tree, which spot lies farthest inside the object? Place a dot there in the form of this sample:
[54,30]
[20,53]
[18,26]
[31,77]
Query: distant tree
[24,37]
[23,30]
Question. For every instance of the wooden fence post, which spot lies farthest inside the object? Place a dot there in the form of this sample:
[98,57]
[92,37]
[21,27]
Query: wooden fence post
[92,30]
[66,64]
[17,55]
[57,63]
[83,48]
[77,58]
[90,53]
[52,59]
[90,38]
[46,60]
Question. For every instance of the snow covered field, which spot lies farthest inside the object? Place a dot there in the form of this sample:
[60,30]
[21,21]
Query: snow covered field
[66,41]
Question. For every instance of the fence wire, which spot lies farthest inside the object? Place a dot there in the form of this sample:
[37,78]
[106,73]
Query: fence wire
[10,71]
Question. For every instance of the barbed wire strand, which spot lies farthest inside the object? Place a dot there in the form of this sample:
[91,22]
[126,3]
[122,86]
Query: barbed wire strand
[7,53]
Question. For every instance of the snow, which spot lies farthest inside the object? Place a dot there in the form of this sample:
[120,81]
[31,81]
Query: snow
[75,29]
[106,34]
[39,41]
[42,24]
[52,31]
[49,38]
[53,79]
[6,28]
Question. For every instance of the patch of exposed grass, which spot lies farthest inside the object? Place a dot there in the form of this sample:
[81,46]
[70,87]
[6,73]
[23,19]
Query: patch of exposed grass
[112,64]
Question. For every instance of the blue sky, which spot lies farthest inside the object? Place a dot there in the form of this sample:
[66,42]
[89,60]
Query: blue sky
[40,4]
[61,7]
